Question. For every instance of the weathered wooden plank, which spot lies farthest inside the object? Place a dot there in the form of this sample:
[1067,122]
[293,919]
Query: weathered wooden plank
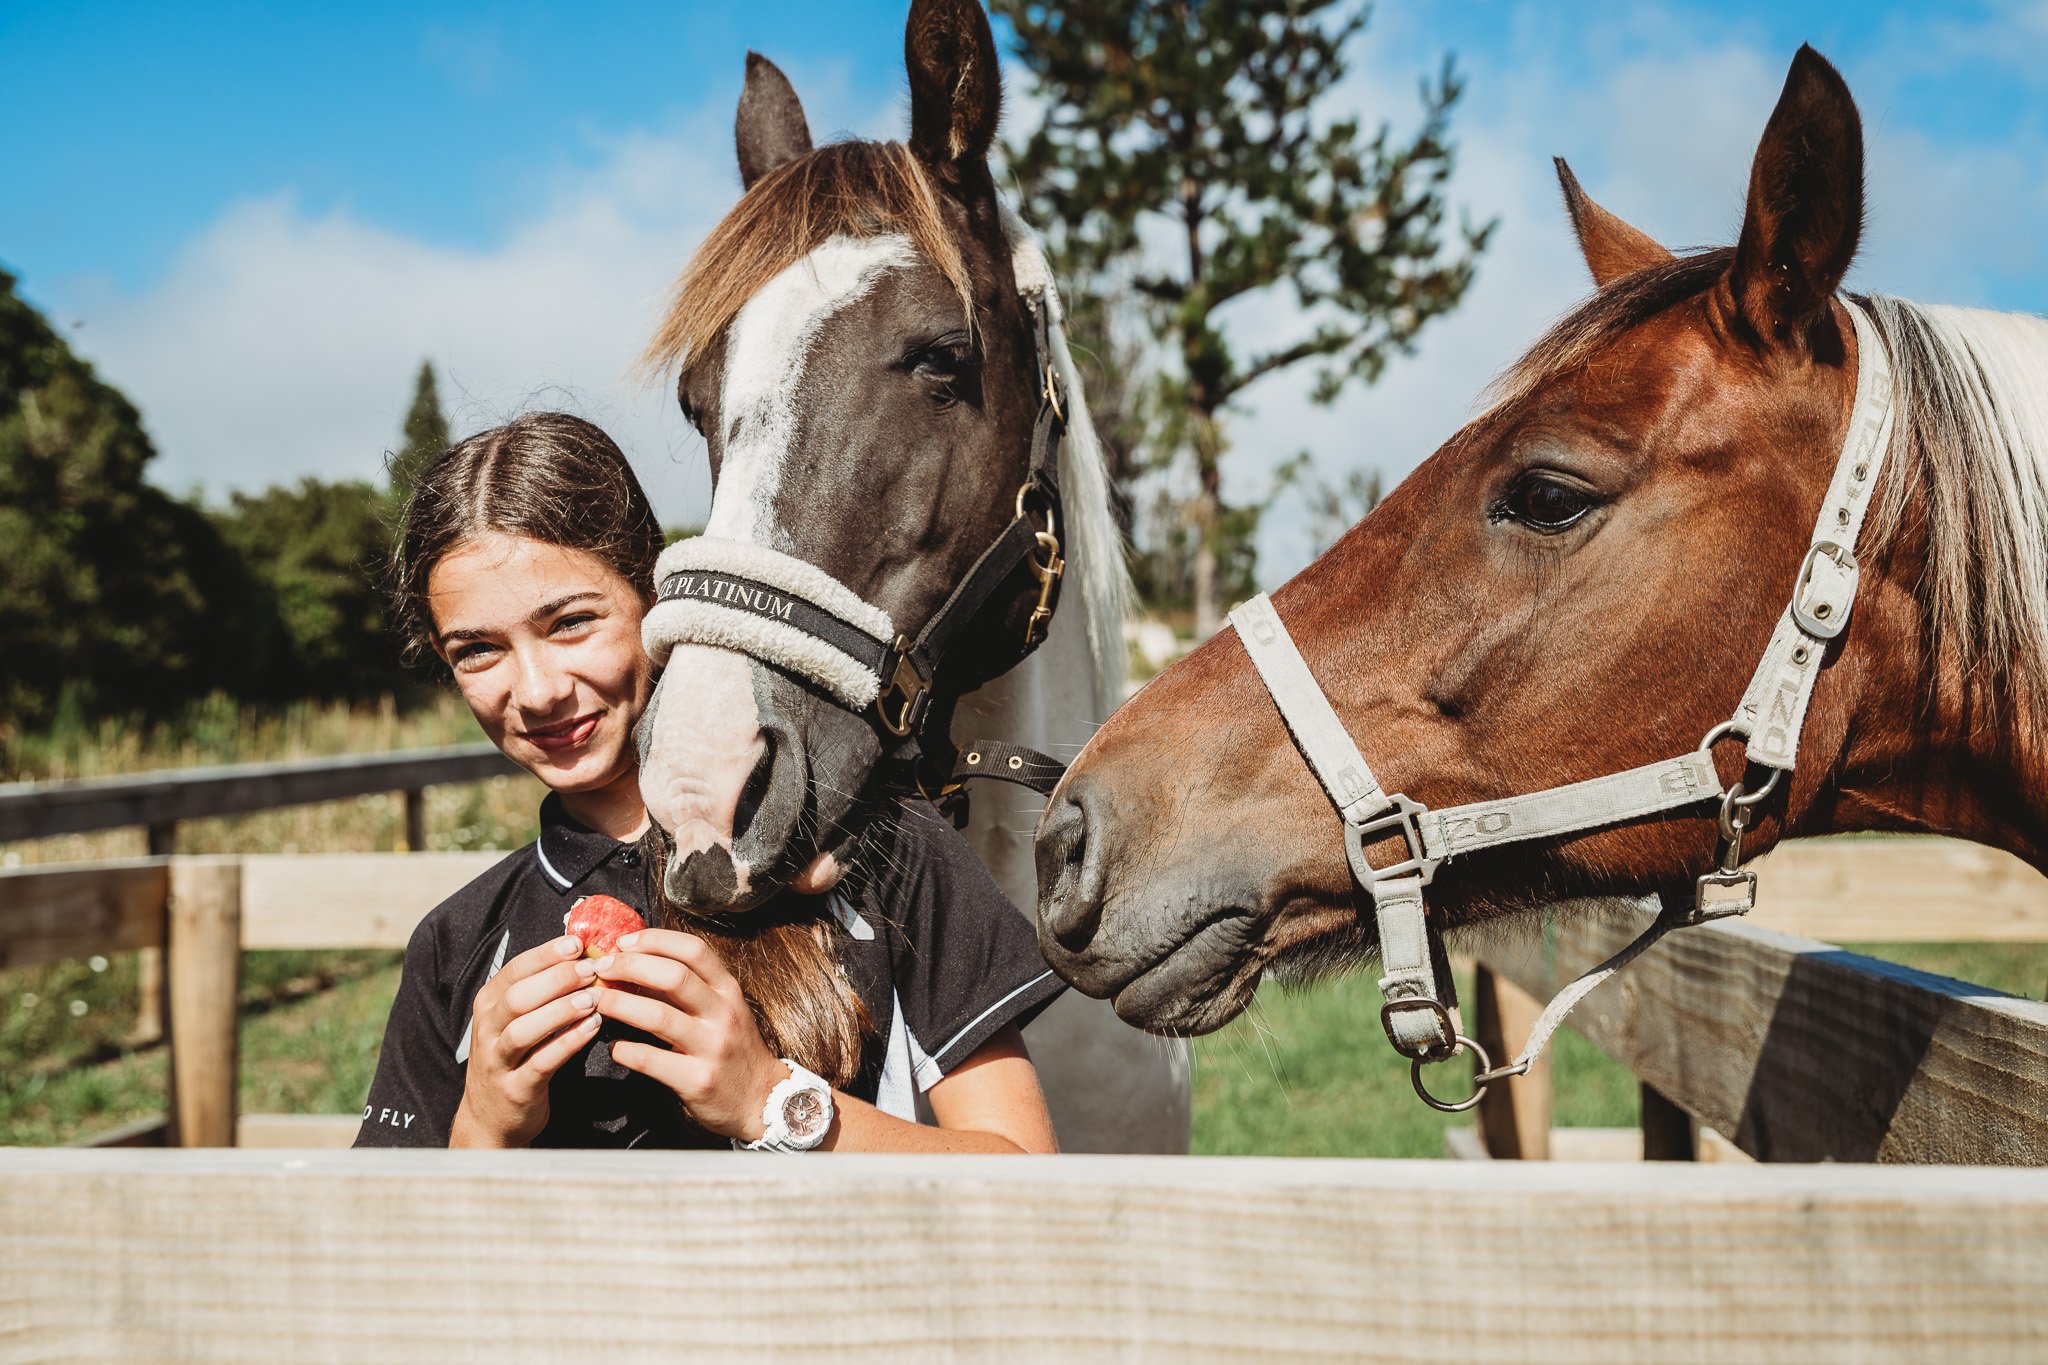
[1595,1144]
[203,963]
[1900,890]
[1800,1051]
[505,1257]
[149,1132]
[296,1130]
[40,810]
[348,900]
[51,913]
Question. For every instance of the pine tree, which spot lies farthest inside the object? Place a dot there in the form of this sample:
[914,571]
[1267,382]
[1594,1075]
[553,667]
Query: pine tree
[1204,123]
[425,431]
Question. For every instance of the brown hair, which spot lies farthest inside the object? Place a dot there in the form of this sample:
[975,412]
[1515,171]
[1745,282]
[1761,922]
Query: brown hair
[558,479]
[856,188]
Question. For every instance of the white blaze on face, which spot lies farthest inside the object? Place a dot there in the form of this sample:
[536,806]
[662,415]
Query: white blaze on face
[707,737]
[766,350]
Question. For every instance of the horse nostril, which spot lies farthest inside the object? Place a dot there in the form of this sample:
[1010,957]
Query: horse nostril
[1069,877]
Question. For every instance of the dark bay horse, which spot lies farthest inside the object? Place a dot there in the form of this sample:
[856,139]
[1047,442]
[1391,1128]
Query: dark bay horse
[859,343]
[1582,580]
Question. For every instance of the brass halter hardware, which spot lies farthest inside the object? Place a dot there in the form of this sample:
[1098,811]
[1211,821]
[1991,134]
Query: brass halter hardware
[905,683]
[1049,570]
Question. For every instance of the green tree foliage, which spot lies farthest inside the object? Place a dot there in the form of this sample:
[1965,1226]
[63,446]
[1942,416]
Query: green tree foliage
[111,592]
[316,547]
[1187,155]
[425,431]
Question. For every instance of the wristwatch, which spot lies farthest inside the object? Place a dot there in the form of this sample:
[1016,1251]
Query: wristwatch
[797,1116]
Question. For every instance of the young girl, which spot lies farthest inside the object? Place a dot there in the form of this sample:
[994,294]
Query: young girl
[526,564]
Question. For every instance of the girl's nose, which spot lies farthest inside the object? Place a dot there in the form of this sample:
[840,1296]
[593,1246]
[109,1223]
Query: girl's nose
[538,688]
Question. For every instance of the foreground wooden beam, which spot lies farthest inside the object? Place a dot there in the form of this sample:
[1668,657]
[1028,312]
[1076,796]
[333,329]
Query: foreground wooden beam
[1799,1051]
[395,1256]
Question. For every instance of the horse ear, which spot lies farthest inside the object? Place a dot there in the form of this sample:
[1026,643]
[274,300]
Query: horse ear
[1611,247]
[1805,210]
[770,130]
[956,88]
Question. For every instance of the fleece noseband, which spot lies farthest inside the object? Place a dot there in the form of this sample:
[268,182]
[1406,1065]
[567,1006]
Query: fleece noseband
[790,613]
[1416,987]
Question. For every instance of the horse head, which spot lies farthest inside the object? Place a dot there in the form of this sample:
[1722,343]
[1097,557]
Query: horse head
[1580,581]
[859,342]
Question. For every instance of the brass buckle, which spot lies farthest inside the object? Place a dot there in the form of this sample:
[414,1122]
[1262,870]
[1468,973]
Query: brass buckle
[1052,393]
[1048,571]
[904,682]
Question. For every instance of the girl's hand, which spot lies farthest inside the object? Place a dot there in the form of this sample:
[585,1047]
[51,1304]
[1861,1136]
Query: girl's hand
[720,1068]
[534,1015]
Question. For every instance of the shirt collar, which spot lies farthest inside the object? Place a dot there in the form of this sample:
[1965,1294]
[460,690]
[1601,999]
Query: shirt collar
[567,851]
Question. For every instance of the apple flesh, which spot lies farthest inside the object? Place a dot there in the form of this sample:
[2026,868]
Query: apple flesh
[600,921]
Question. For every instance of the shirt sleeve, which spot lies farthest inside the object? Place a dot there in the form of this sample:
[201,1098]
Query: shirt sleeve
[418,1083]
[968,963]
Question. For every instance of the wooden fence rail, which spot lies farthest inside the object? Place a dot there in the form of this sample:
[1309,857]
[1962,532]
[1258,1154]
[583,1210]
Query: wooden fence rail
[43,810]
[505,1257]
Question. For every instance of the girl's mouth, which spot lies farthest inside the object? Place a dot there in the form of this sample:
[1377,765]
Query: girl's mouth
[569,734]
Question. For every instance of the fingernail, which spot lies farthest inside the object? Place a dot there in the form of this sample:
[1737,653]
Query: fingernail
[628,941]
[586,969]
[588,1023]
[604,964]
[583,1000]
[568,945]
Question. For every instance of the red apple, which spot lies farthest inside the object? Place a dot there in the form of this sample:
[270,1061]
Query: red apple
[599,921]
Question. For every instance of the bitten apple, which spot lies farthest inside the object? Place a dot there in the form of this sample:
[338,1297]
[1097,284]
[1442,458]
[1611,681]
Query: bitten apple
[600,921]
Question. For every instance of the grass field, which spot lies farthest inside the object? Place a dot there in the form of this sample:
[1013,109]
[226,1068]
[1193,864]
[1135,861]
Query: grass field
[1304,1073]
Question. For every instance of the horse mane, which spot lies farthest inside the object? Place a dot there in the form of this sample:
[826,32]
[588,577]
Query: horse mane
[1968,460]
[854,188]
[1095,542]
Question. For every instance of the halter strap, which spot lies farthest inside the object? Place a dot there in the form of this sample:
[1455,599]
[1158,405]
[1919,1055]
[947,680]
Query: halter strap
[1416,990]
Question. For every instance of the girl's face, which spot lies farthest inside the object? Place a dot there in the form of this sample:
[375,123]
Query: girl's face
[544,642]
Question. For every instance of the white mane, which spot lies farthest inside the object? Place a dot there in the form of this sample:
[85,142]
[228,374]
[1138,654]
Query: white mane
[1969,456]
[1094,546]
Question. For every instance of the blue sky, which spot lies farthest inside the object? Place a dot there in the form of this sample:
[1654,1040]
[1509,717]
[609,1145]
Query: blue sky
[258,219]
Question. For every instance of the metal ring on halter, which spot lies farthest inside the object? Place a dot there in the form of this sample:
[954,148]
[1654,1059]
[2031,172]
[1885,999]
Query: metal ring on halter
[1738,794]
[1460,1043]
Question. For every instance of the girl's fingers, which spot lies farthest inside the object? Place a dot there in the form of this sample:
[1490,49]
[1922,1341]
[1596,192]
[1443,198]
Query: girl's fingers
[538,959]
[551,982]
[680,1072]
[649,1015]
[548,1058]
[675,981]
[527,1030]
[693,952]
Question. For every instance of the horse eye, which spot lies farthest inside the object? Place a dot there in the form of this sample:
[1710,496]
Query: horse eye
[1546,503]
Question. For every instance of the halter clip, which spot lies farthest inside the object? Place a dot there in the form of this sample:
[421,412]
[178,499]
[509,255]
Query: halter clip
[904,683]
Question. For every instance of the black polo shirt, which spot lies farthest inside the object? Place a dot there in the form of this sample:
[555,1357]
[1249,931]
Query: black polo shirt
[935,950]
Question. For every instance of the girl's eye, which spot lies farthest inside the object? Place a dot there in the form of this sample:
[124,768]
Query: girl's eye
[568,624]
[469,658]
[1545,502]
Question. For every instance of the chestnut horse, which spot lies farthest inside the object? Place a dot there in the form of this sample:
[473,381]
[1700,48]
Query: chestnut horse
[863,342]
[1583,580]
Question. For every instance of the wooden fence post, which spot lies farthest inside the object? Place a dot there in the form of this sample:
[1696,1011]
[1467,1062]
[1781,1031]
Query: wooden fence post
[1514,1118]
[413,837]
[1669,1133]
[150,1004]
[205,961]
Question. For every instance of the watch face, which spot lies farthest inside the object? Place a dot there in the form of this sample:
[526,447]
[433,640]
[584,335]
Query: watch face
[804,1114]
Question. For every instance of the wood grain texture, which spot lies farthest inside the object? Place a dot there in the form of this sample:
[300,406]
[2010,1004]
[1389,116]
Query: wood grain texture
[1900,890]
[1513,1120]
[203,965]
[41,810]
[348,900]
[1799,1051]
[1594,1144]
[296,1130]
[48,914]
[626,1257]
